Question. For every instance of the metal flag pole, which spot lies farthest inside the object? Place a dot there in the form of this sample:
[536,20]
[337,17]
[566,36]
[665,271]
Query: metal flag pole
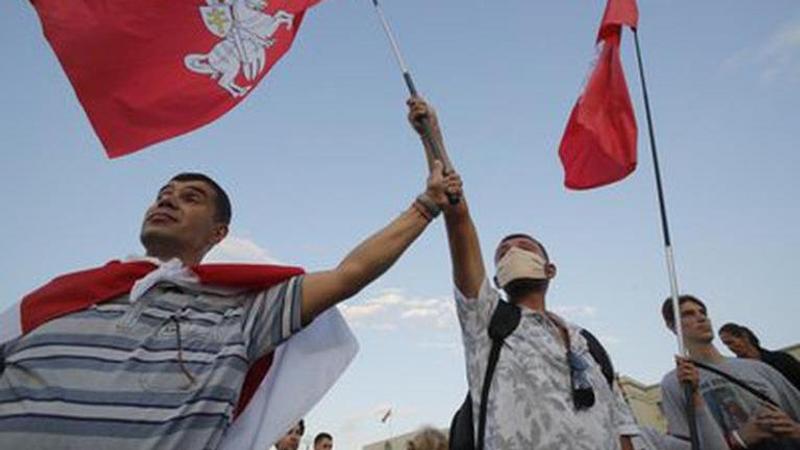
[436,150]
[673,277]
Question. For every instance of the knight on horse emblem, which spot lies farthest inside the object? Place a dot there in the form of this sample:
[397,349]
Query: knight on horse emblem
[247,32]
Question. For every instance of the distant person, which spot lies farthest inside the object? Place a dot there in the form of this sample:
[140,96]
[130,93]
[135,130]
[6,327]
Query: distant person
[745,344]
[746,421]
[291,440]
[428,438]
[323,441]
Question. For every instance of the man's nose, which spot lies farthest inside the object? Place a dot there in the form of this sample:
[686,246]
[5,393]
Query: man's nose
[166,201]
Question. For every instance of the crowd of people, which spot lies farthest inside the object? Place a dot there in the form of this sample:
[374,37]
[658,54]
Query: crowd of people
[157,353]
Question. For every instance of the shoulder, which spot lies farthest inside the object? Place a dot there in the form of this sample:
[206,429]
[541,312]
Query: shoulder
[778,356]
[669,382]
[755,370]
[746,365]
[486,292]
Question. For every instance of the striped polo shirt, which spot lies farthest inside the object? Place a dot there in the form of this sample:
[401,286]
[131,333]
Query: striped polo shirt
[164,372]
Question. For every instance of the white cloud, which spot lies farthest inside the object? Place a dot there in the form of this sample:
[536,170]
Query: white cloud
[392,309]
[777,56]
[239,249]
[418,312]
[575,311]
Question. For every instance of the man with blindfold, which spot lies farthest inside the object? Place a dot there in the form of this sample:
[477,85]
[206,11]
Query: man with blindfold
[547,390]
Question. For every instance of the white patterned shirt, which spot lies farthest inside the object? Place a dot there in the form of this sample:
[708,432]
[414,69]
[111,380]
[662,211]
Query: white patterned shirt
[530,403]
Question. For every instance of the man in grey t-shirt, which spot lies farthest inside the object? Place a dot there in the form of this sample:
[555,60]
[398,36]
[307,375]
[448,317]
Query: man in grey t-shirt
[747,421]
[165,369]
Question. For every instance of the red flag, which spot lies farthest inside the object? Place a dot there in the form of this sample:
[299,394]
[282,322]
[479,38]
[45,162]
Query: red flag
[150,70]
[79,290]
[279,388]
[599,143]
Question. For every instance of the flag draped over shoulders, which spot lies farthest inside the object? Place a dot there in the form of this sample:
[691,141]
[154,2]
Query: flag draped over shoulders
[150,70]
[278,389]
[599,143]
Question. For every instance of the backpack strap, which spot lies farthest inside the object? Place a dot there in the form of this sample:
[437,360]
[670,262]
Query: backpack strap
[752,391]
[504,321]
[600,356]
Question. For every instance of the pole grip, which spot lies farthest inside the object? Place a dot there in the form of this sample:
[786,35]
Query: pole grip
[410,83]
[694,437]
[437,153]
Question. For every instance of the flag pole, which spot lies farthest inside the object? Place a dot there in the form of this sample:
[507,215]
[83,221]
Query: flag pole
[437,151]
[673,277]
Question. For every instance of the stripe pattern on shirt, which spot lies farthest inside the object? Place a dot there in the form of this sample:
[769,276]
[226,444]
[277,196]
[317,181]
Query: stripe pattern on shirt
[114,376]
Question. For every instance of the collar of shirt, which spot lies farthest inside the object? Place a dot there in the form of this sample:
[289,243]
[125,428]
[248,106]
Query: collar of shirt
[172,271]
[555,323]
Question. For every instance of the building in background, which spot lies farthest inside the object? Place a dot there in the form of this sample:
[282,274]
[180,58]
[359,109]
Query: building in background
[397,442]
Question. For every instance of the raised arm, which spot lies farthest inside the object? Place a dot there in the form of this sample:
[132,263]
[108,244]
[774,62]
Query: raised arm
[465,249]
[376,254]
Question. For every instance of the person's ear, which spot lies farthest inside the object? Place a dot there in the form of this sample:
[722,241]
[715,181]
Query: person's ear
[550,270]
[219,233]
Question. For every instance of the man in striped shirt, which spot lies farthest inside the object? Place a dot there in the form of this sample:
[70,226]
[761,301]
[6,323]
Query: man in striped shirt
[162,367]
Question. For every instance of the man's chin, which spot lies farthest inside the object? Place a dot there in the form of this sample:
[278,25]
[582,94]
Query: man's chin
[154,237]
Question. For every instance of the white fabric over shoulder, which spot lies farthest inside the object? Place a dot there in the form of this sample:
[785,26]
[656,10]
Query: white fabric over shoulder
[304,368]
[10,323]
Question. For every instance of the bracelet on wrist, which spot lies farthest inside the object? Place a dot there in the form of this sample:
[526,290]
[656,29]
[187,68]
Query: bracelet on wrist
[429,205]
[421,210]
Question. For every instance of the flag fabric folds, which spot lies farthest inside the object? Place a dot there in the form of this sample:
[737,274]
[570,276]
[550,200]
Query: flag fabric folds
[149,70]
[599,142]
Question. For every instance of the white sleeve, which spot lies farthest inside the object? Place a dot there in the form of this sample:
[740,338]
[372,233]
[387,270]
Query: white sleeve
[476,313]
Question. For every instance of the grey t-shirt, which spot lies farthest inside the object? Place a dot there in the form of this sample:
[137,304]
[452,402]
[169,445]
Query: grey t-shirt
[164,372]
[730,405]
[710,436]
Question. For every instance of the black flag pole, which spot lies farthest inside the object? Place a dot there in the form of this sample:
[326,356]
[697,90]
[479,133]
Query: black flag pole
[673,277]
[437,151]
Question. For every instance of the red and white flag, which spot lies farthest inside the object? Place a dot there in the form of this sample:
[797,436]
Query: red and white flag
[149,70]
[279,389]
[599,142]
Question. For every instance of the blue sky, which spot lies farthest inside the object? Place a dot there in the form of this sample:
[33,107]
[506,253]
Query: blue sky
[319,156]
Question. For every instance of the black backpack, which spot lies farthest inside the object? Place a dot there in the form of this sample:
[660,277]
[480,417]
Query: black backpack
[505,320]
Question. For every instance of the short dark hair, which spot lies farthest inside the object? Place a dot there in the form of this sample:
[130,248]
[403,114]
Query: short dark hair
[669,314]
[528,237]
[740,331]
[222,204]
[322,436]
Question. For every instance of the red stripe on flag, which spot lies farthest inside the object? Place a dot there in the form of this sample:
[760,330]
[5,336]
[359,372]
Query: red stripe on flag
[150,70]
[599,142]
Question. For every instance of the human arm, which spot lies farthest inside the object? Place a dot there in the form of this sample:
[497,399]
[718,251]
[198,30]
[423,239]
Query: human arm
[710,435]
[376,254]
[778,423]
[622,418]
[625,443]
[465,252]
